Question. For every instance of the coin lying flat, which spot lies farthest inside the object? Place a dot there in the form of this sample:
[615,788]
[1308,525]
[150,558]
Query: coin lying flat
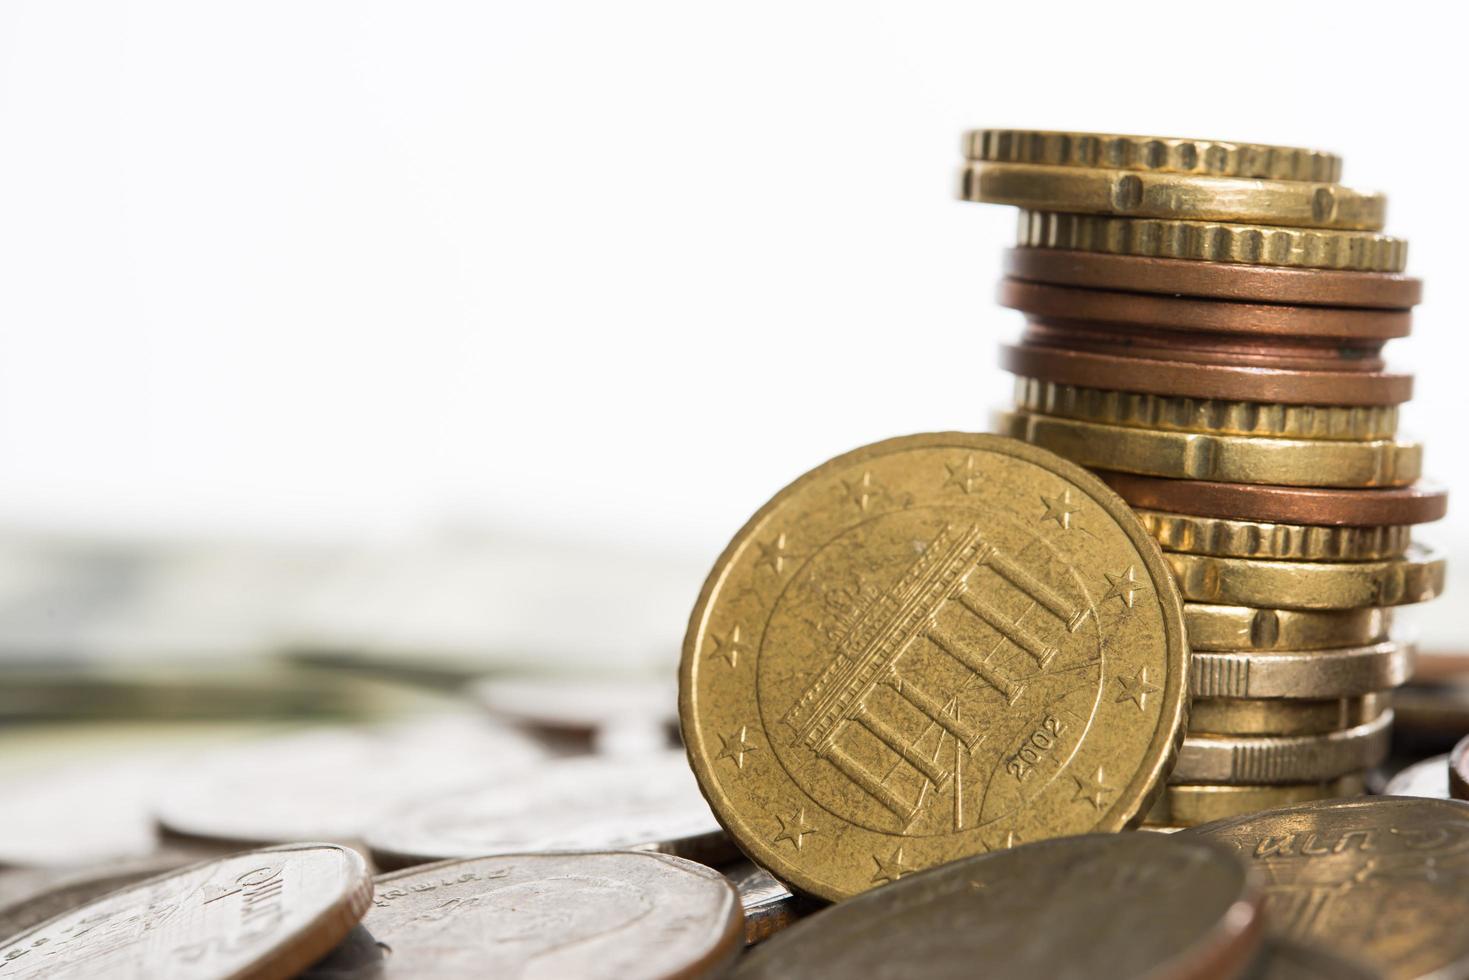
[1377,879]
[1130,311]
[1137,904]
[1416,577]
[1336,673]
[594,803]
[1281,716]
[613,711]
[769,906]
[259,914]
[1189,805]
[33,895]
[1227,628]
[1429,778]
[927,648]
[1417,504]
[1203,456]
[1260,539]
[1296,204]
[331,783]
[616,914]
[1227,261]
[1160,154]
[1141,410]
[1283,758]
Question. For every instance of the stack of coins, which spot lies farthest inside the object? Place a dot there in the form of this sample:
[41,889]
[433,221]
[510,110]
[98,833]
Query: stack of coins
[1204,328]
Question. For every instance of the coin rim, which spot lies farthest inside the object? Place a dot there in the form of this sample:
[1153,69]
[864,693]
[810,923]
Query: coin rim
[1133,800]
[1421,503]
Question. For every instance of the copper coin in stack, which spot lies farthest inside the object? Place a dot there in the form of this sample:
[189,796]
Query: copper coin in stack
[1205,325]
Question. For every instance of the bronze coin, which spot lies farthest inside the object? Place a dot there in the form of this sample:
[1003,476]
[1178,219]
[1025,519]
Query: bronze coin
[1250,384]
[1459,770]
[1417,504]
[1207,315]
[32,895]
[611,914]
[1378,879]
[1216,349]
[263,915]
[1138,903]
[1215,280]
[1428,777]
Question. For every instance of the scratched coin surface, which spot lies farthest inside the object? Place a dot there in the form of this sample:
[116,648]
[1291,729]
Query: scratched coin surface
[617,914]
[596,803]
[29,896]
[1114,905]
[931,647]
[331,783]
[259,914]
[1381,880]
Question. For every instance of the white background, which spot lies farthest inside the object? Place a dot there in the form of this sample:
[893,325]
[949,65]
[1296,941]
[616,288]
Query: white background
[613,270]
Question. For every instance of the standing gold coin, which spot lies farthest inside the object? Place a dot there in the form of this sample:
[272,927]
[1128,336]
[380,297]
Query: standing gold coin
[1180,414]
[1227,459]
[1213,241]
[1185,196]
[1416,577]
[1261,539]
[1159,154]
[1212,627]
[931,647]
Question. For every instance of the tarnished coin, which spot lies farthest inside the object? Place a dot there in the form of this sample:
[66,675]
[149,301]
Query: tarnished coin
[1230,459]
[1140,410]
[1336,673]
[1212,627]
[1281,716]
[1429,778]
[1283,758]
[331,783]
[1459,770]
[615,914]
[1283,959]
[1193,804]
[1378,879]
[1416,577]
[769,906]
[260,914]
[1121,905]
[926,648]
[638,802]
[1158,154]
[1296,204]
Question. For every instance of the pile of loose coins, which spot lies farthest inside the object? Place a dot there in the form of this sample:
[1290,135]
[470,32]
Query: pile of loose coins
[928,692]
[1204,329]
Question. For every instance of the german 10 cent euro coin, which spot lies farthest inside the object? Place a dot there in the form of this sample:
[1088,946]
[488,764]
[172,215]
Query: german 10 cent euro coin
[930,647]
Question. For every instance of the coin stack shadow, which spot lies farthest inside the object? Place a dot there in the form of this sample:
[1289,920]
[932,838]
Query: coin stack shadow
[1204,328]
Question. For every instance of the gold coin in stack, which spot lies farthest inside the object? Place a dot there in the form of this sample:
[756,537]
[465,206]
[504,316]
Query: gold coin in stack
[1204,328]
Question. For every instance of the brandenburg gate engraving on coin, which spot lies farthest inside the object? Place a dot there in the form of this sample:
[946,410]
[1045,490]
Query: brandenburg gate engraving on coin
[871,652]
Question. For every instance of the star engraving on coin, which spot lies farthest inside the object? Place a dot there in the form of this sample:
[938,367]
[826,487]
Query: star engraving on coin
[735,748]
[1135,688]
[1124,586]
[773,554]
[1059,509]
[730,647]
[890,869]
[962,475]
[861,492]
[793,828]
[1093,790]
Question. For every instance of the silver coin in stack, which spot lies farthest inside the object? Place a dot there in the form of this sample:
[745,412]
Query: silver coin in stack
[628,914]
[592,803]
